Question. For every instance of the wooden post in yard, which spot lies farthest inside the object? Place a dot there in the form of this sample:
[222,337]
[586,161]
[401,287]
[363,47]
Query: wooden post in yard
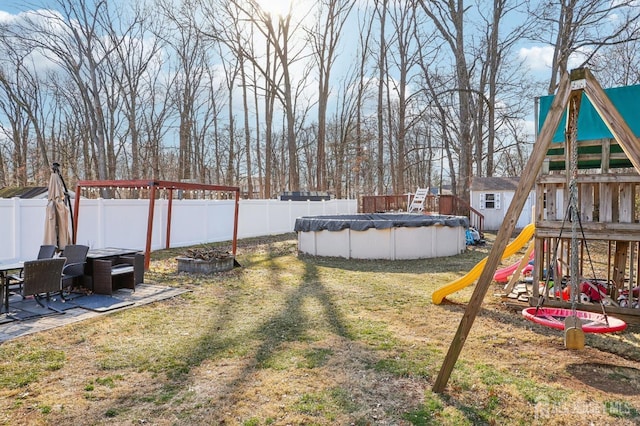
[504,234]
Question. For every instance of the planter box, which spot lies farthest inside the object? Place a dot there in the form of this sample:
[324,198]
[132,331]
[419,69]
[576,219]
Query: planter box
[199,266]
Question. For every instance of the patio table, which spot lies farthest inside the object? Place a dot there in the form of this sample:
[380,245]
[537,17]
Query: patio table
[5,268]
[113,254]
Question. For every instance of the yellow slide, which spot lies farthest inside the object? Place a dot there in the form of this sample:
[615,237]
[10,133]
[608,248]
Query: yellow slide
[512,248]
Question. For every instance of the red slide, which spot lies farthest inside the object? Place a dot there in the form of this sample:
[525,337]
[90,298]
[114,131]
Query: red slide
[502,275]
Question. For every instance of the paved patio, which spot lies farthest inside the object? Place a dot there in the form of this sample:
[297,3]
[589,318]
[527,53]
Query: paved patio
[10,328]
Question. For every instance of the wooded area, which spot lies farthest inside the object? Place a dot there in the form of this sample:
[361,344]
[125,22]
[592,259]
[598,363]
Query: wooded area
[349,97]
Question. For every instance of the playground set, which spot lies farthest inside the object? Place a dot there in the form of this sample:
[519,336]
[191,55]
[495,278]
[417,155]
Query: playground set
[585,167]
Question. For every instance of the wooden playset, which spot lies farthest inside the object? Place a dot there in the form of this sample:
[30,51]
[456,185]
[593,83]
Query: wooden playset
[585,166]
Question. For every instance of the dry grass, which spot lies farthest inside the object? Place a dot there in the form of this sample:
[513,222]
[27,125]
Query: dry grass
[294,340]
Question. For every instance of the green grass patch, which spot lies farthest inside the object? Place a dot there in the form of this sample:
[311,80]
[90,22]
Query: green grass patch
[21,365]
[289,339]
[407,364]
[327,404]
[374,333]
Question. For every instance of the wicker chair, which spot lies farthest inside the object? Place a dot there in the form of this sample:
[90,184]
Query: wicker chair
[42,277]
[76,255]
[15,280]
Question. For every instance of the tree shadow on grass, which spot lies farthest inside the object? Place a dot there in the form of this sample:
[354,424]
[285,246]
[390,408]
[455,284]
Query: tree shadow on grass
[290,324]
[626,348]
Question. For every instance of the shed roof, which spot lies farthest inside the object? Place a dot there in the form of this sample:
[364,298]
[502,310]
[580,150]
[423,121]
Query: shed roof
[494,183]
[23,192]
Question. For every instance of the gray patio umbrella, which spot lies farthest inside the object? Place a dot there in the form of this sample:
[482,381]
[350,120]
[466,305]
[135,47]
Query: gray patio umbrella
[56,226]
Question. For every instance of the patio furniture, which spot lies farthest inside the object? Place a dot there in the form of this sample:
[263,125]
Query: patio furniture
[5,268]
[119,272]
[15,280]
[42,277]
[73,271]
[111,268]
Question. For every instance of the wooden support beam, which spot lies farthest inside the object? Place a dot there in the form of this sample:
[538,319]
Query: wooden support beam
[586,202]
[619,266]
[593,230]
[525,184]
[592,179]
[518,272]
[612,119]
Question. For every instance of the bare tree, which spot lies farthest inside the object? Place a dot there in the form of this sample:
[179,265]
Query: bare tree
[154,122]
[381,12]
[256,105]
[279,33]
[324,38]
[73,39]
[231,67]
[584,27]
[361,84]
[403,55]
[448,18]
[618,64]
[22,103]
[190,49]
[133,58]
[17,133]
[498,79]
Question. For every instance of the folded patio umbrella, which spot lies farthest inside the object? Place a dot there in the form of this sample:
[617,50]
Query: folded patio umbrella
[56,227]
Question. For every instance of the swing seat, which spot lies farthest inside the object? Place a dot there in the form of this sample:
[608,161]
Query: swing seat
[591,321]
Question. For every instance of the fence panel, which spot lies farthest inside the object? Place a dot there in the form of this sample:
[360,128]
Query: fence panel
[123,223]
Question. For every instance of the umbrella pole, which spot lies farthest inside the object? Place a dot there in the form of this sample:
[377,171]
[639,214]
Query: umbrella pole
[56,169]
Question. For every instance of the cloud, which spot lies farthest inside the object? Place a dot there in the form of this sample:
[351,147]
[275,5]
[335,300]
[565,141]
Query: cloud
[540,58]
[6,18]
[537,58]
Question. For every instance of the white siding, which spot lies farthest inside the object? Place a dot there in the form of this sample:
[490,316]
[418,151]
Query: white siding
[493,218]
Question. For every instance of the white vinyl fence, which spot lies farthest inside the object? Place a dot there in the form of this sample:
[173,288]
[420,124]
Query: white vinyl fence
[123,223]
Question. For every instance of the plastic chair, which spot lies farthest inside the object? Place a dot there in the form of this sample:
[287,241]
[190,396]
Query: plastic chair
[46,252]
[76,256]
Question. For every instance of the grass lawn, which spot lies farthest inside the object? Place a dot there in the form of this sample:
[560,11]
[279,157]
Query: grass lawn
[297,340]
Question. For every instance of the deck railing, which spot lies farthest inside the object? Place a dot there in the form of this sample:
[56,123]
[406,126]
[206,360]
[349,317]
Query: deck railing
[433,204]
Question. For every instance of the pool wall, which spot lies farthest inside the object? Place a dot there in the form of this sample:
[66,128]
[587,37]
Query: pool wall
[441,236]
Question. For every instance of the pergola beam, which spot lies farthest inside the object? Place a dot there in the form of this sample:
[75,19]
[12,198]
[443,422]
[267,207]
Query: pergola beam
[153,186]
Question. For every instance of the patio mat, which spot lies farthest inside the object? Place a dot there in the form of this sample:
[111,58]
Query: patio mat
[21,315]
[29,308]
[30,305]
[5,319]
[99,302]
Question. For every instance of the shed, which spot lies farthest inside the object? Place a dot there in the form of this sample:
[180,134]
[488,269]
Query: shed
[492,196]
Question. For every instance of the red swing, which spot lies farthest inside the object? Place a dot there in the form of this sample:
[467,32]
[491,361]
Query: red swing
[591,321]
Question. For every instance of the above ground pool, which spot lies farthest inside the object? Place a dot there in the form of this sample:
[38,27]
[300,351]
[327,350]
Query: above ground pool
[382,235]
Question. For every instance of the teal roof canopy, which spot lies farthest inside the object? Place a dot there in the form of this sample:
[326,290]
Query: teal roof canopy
[626,99]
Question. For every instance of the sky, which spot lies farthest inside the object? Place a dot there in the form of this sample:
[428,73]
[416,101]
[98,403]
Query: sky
[536,58]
